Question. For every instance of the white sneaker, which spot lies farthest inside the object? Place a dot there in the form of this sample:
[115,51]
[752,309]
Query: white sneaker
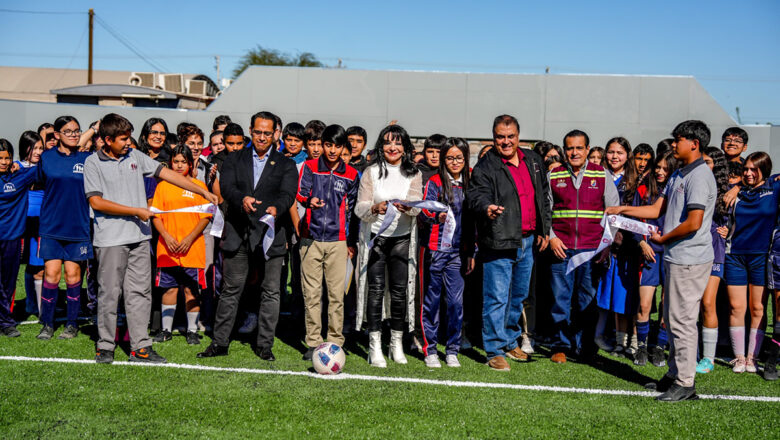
[432,361]
[249,325]
[526,346]
[452,361]
[750,365]
[739,365]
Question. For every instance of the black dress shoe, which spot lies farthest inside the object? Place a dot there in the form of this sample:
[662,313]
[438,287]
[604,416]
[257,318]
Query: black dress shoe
[265,353]
[309,353]
[678,393]
[213,350]
[662,385]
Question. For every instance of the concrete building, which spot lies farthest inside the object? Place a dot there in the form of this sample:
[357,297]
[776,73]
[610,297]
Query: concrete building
[640,108]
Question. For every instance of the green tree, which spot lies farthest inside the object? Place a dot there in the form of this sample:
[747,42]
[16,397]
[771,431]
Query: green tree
[260,56]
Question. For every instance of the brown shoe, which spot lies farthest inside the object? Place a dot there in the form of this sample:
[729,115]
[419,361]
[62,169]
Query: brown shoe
[559,358]
[498,363]
[517,354]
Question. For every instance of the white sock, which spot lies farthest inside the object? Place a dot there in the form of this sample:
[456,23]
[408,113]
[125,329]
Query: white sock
[38,287]
[754,342]
[709,338]
[167,312]
[620,338]
[192,321]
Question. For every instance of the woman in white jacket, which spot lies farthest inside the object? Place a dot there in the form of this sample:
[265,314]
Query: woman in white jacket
[387,258]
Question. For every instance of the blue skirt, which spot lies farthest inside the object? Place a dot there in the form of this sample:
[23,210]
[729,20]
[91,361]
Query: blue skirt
[619,287]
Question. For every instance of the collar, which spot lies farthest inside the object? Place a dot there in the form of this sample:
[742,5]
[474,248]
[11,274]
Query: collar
[684,171]
[360,160]
[256,157]
[520,158]
[103,156]
[322,167]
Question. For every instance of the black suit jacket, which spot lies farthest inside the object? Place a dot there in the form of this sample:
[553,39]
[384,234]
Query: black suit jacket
[276,187]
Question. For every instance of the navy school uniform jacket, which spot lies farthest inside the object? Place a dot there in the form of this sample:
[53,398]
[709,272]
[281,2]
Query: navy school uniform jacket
[13,202]
[338,189]
[431,237]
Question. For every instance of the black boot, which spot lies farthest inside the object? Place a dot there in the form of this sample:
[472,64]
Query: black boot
[770,367]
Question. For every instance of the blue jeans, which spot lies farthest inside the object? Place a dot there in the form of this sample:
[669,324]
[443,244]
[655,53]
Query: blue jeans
[570,320]
[505,287]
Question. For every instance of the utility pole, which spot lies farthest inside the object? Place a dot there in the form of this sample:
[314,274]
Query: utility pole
[216,57]
[91,40]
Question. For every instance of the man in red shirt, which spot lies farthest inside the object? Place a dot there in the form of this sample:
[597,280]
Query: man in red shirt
[508,195]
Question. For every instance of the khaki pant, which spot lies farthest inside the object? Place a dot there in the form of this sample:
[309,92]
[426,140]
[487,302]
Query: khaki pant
[685,286]
[328,259]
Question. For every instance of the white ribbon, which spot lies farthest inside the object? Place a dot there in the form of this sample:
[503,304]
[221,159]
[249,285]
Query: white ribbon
[430,205]
[611,224]
[270,233]
[218,223]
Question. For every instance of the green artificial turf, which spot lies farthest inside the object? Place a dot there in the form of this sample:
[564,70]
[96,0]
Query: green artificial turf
[54,400]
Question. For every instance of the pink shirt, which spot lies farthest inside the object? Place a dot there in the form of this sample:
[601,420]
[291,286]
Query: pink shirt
[525,191]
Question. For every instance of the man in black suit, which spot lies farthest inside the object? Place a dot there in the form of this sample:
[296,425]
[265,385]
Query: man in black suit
[255,181]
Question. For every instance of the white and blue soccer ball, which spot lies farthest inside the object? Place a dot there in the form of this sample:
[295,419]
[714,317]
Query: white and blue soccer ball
[328,358]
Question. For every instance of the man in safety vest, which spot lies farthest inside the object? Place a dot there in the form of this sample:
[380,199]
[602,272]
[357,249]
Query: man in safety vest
[579,193]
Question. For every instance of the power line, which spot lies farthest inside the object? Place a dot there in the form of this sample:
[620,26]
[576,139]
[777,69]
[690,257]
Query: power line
[125,42]
[19,11]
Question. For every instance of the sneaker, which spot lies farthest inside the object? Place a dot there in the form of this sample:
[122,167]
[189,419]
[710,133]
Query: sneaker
[527,345]
[10,332]
[70,332]
[104,356]
[640,358]
[559,357]
[193,338]
[704,366]
[516,354]
[657,357]
[146,354]
[750,365]
[46,333]
[163,336]
[498,363]
[603,344]
[452,361]
[309,353]
[619,351]
[739,365]
[249,325]
[432,361]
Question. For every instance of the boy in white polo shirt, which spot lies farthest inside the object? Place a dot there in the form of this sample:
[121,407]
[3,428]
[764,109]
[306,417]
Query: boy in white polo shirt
[688,202]
[114,186]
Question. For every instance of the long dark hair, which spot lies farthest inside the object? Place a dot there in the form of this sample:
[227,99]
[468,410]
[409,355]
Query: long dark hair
[27,144]
[656,189]
[721,171]
[143,138]
[395,132]
[187,153]
[444,174]
[630,179]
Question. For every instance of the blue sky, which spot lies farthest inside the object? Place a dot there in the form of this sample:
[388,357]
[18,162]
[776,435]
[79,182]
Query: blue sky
[730,46]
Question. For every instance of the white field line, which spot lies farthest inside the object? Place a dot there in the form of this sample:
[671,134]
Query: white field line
[347,376]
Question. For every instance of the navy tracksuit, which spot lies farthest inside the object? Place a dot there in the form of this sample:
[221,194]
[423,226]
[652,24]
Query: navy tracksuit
[443,271]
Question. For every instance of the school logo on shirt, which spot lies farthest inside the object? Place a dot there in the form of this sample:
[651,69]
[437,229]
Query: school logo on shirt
[83,250]
[78,168]
[561,184]
[187,194]
[593,183]
[133,166]
[340,185]
[9,188]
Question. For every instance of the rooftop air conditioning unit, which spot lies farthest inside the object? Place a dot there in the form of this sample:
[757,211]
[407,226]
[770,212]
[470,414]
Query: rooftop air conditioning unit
[173,82]
[196,87]
[143,79]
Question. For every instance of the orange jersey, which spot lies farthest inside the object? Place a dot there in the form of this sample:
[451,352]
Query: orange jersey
[168,197]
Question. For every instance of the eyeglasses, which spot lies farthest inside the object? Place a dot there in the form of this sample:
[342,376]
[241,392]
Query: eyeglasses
[733,140]
[157,133]
[259,133]
[70,133]
[454,159]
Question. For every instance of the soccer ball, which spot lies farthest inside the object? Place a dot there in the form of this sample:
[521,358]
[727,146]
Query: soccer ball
[328,358]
